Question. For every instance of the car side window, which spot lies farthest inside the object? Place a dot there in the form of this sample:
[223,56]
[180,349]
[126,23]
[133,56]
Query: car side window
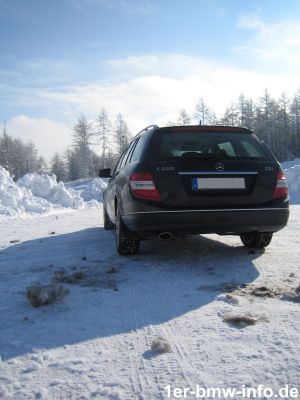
[138,149]
[128,151]
[117,167]
[132,147]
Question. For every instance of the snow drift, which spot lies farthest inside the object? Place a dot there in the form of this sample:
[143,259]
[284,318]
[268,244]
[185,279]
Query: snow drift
[292,173]
[45,187]
[41,193]
[90,189]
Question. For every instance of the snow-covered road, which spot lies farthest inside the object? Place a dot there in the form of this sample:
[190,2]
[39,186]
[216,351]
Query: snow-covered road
[95,344]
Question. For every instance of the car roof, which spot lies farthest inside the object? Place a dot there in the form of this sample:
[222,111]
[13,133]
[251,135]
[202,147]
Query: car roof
[207,128]
[147,129]
[195,128]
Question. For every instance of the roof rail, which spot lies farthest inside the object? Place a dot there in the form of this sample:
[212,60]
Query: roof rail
[147,129]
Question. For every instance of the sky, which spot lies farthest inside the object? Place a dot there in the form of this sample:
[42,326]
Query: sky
[145,59]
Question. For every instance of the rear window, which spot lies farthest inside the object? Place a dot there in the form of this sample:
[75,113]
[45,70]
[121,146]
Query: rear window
[233,145]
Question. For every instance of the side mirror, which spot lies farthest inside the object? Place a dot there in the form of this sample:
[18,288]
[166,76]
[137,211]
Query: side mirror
[104,173]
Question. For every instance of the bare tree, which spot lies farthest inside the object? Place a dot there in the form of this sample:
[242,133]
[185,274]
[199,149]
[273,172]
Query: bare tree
[246,112]
[121,134]
[231,116]
[183,118]
[202,113]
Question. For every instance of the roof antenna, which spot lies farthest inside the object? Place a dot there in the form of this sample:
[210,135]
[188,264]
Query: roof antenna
[200,122]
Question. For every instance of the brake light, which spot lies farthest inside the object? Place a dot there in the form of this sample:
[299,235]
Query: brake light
[281,189]
[143,187]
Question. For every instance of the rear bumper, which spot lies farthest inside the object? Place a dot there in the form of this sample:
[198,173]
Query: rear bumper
[222,221]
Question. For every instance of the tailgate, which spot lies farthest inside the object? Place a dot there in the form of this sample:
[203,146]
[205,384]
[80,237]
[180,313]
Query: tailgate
[215,184]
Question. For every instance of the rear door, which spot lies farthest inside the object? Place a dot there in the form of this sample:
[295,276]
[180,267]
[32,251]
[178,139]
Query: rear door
[194,168]
[117,181]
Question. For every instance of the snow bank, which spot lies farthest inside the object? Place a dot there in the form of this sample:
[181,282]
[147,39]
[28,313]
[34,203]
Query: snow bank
[45,187]
[89,189]
[290,163]
[35,193]
[292,173]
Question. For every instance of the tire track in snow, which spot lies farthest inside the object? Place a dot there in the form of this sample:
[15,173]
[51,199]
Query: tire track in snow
[168,366]
[139,378]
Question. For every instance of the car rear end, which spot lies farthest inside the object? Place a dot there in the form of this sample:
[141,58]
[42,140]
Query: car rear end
[202,179]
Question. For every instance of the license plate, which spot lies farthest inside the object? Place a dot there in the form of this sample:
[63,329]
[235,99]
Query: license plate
[218,183]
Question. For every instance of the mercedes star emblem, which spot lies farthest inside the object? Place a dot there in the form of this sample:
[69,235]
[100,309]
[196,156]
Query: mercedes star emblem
[219,166]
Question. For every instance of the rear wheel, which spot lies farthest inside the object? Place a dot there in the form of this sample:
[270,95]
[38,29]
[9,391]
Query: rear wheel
[108,225]
[126,242]
[256,240]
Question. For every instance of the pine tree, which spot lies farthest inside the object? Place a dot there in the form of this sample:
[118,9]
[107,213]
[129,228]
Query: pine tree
[285,128]
[82,139]
[58,168]
[70,163]
[6,150]
[31,157]
[264,127]
[103,135]
[295,115]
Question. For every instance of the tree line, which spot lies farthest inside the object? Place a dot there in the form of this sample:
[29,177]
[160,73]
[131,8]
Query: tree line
[89,139]
[94,145]
[18,157]
[276,122]
[98,144]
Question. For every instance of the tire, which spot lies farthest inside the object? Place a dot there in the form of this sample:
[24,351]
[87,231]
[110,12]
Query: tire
[108,225]
[257,240]
[126,242]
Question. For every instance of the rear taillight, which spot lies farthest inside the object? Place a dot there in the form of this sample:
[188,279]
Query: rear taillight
[142,186]
[281,189]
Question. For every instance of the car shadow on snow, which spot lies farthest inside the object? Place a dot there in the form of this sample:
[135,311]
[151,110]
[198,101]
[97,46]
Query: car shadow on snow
[165,281]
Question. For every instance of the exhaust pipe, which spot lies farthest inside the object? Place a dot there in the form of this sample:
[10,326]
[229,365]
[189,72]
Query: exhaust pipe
[165,236]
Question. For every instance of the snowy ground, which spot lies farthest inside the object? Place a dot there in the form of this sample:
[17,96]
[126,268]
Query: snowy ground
[95,344]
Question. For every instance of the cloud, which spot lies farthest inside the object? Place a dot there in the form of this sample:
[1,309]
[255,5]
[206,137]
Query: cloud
[49,136]
[169,65]
[272,42]
[147,89]
[154,87]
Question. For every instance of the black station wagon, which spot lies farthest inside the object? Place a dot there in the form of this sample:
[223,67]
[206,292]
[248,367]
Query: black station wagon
[192,180]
